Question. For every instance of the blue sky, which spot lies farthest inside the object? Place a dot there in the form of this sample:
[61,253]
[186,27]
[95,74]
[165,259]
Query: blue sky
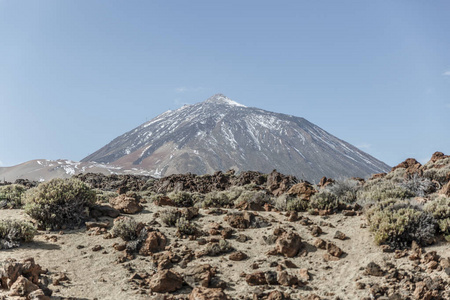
[76,74]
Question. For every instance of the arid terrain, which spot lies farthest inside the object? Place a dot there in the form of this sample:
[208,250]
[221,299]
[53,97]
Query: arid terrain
[191,237]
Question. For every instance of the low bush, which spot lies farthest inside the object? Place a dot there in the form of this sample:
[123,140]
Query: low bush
[379,190]
[155,198]
[104,196]
[440,209]
[215,249]
[398,223]
[396,176]
[346,191]
[324,199]
[216,199]
[125,228]
[11,195]
[438,170]
[281,201]
[181,199]
[252,197]
[59,203]
[12,233]
[184,227]
[418,186]
[169,216]
[297,204]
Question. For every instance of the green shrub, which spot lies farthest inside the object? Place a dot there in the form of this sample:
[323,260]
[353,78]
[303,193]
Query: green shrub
[104,196]
[216,199]
[234,192]
[181,199]
[59,202]
[184,227]
[257,197]
[215,249]
[396,176]
[125,228]
[438,170]
[280,202]
[12,233]
[398,223]
[11,195]
[440,209]
[297,204]
[324,199]
[379,190]
[156,197]
[169,216]
[418,186]
[346,191]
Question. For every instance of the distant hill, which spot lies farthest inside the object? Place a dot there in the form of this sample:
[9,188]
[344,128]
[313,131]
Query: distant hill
[44,170]
[220,134]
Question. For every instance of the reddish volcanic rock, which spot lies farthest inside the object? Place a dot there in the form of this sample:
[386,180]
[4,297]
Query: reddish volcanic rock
[303,190]
[202,293]
[437,156]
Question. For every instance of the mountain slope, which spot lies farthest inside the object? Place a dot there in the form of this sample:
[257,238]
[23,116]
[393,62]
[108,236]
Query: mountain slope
[44,170]
[219,134]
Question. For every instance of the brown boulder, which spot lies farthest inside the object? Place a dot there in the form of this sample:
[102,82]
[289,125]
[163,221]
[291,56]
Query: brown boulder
[237,256]
[334,250]
[155,242]
[303,190]
[202,293]
[422,292]
[165,281]
[38,295]
[240,220]
[377,176]
[126,204]
[278,183]
[198,275]
[329,257]
[411,165]
[284,278]
[320,243]
[438,156]
[257,278]
[325,182]
[304,274]
[373,269]
[276,295]
[288,244]
[9,272]
[22,287]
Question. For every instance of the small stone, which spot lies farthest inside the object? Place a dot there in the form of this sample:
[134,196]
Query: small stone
[97,248]
[321,244]
[304,274]
[237,256]
[373,269]
[340,235]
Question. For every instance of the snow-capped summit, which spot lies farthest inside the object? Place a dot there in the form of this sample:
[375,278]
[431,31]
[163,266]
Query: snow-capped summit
[220,134]
[222,99]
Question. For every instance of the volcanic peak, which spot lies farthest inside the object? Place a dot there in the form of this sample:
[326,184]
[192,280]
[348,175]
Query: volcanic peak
[222,99]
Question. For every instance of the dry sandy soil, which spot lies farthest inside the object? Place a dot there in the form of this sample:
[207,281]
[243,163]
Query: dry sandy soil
[99,275]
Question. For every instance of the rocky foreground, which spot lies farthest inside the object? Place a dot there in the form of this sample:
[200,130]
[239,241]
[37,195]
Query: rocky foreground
[191,237]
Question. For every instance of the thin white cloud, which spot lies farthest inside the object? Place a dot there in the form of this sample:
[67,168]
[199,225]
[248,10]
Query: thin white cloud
[364,146]
[184,89]
[446,73]
[1,163]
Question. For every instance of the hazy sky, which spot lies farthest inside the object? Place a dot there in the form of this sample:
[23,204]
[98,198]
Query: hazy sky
[76,74]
